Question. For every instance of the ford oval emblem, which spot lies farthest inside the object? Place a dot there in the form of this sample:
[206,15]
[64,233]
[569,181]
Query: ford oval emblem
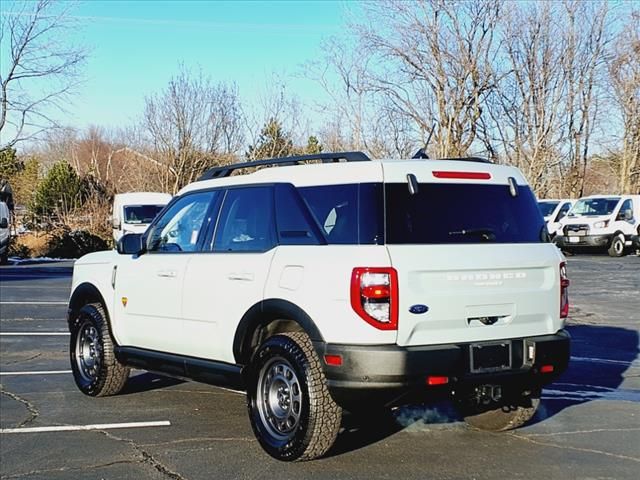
[418,309]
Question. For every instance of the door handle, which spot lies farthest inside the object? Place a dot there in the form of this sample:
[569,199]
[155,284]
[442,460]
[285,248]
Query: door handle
[166,273]
[246,276]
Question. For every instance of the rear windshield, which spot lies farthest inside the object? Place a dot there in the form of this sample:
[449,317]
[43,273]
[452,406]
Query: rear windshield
[547,208]
[462,213]
[141,213]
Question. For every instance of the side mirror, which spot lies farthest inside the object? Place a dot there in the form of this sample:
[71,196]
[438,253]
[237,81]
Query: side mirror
[628,214]
[4,222]
[116,223]
[130,244]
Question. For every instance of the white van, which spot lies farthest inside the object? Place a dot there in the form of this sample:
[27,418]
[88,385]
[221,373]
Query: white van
[554,210]
[134,211]
[5,232]
[606,222]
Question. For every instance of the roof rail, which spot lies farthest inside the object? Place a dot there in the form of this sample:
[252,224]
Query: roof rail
[221,172]
[468,159]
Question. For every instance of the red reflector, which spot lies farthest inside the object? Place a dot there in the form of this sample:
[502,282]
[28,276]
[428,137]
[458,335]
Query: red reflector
[335,360]
[546,369]
[464,175]
[437,380]
[376,291]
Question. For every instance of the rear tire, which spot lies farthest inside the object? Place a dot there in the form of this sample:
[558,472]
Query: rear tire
[506,414]
[616,249]
[96,370]
[291,410]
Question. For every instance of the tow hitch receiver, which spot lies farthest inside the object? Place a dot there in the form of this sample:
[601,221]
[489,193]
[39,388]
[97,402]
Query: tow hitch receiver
[486,394]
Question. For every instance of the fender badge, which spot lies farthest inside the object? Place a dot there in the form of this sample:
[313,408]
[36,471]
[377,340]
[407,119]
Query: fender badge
[418,309]
[124,301]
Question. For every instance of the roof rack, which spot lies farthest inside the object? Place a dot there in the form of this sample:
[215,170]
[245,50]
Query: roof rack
[221,172]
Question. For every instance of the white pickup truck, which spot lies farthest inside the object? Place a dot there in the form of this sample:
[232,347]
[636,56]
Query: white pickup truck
[606,222]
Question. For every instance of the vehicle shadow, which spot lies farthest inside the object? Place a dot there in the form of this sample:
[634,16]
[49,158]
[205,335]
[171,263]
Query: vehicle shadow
[146,382]
[600,356]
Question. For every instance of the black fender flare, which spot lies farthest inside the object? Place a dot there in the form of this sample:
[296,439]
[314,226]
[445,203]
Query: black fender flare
[83,294]
[261,314]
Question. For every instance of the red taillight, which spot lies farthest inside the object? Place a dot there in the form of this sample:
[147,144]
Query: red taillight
[546,369]
[333,360]
[374,296]
[564,291]
[463,175]
[433,381]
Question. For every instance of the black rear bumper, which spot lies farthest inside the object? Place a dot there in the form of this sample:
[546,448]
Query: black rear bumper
[382,373]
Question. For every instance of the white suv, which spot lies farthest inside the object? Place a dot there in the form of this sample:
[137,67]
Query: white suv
[343,284]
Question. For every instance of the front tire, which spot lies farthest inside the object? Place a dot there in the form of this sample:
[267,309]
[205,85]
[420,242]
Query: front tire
[291,410]
[616,249]
[96,370]
[508,413]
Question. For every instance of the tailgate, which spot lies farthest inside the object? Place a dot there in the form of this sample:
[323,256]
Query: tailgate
[476,292]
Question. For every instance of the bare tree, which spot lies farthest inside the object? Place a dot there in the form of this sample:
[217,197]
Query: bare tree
[40,70]
[433,61]
[361,118]
[526,109]
[192,125]
[584,65]
[624,71]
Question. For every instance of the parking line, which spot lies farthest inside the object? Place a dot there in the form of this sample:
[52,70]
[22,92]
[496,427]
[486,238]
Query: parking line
[98,426]
[34,303]
[37,372]
[28,334]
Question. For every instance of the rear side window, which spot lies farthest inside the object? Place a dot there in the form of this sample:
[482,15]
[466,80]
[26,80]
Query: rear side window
[348,214]
[462,213]
[246,221]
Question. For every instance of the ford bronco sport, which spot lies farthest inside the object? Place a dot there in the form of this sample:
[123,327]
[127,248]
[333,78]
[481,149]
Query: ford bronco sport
[344,283]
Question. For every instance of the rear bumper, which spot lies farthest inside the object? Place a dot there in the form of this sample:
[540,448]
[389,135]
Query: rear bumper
[382,373]
[592,241]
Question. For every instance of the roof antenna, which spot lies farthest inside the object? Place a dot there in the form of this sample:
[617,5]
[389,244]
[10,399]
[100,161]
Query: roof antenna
[422,153]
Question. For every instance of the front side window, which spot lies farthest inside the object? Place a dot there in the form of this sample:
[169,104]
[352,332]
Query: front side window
[246,222]
[563,211]
[136,214]
[182,225]
[626,206]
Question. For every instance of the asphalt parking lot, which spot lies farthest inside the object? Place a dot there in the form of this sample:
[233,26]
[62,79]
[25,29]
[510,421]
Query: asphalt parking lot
[587,427]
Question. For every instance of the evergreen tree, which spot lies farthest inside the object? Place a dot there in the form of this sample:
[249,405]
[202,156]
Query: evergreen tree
[10,164]
[272,143]
[61,191]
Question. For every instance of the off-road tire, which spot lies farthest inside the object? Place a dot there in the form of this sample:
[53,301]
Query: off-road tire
[90,331]
[509,413]
[318,416]
[616,248]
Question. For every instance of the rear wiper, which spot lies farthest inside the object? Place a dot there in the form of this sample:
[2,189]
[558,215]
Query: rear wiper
[486,234]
